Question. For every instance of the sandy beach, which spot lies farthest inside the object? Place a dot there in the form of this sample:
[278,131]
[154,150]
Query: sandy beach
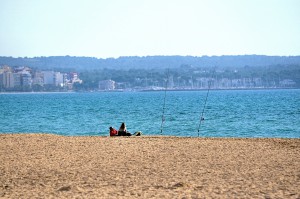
[52,166]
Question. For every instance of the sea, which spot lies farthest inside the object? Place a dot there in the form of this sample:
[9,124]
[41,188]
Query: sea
[226,113]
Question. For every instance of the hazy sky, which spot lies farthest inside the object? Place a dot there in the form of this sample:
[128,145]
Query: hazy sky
[113,28]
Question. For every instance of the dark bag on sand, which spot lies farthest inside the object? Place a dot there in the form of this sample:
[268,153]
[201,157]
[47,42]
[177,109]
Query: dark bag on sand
[128,134]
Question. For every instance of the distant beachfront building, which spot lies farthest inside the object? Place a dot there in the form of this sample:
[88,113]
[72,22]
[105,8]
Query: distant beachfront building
[48,77]
[59,79]
[75,78]
[26,79]
[38,79]
[17,80]
[6,77]
[107,85]
[8,80]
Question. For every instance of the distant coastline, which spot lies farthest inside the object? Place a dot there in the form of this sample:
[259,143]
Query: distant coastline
[148,73]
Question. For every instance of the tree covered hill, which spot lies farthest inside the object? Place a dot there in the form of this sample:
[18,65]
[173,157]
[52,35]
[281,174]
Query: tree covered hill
[148,62]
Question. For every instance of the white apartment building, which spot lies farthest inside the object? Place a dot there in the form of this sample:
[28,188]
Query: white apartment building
[49,78]
[8,80]
[59,79]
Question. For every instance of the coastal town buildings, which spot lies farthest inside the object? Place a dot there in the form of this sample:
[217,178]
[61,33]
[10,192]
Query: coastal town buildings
[24,79]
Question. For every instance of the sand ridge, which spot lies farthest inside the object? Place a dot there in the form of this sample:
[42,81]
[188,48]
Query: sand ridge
[52,166]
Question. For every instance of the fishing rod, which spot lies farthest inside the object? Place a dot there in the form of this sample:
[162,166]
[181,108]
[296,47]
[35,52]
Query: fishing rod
[164,105]
[202,113]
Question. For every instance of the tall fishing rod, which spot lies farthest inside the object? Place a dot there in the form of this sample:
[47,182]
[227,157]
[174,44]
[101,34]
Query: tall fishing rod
[202,113]
[164,105]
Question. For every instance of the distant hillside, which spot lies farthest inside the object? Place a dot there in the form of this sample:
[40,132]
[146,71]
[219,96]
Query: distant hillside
[148,62]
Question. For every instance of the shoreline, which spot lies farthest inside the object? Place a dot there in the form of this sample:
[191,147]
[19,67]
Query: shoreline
[143,135]
[146,90]
[50,165]
[42,92]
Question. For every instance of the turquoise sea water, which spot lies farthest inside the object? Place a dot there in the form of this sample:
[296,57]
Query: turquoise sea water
[228,113]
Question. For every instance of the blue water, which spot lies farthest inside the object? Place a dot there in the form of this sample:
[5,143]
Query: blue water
[228,113]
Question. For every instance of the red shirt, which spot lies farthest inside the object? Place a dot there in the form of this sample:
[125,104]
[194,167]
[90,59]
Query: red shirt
[113,132]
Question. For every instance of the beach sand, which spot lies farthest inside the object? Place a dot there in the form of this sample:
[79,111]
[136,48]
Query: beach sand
[52,166]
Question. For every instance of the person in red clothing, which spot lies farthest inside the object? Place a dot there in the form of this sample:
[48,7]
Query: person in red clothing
[112,131]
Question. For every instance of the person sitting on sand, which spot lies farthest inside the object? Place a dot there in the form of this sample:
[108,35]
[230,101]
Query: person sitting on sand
[123,131]
[112,131]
